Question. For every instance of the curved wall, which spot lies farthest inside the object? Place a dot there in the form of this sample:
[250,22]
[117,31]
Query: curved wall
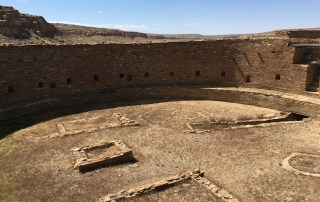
[32,74]
[262,98]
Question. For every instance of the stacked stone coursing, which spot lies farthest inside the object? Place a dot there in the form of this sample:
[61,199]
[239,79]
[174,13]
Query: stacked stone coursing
[56,72]
[197,176]
[299,33]
[50,71]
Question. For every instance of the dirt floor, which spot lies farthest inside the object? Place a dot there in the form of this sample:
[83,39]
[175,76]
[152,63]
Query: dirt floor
[35,166]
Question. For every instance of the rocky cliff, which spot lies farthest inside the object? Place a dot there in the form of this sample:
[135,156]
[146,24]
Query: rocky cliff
[76,30]
[16,25]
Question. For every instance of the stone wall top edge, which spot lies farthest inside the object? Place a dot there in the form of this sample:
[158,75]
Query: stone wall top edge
[147,44]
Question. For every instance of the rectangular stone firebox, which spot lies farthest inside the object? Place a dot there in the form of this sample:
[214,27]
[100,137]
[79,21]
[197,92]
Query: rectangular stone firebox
[101,155]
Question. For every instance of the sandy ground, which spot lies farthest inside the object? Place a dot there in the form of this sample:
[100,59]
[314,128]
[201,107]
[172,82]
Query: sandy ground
[246,162]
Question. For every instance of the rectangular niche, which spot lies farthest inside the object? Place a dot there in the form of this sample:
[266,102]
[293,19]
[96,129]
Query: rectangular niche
[52,85]
[146,75]
[10,89]
[41,84]
[298,56]
[223,73]
[69,81]
[96,78]
[248,79]
[105,154]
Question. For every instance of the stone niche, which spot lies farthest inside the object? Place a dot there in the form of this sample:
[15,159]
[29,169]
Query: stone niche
[105,154]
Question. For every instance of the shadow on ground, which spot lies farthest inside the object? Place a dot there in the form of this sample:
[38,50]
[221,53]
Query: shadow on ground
[12,125]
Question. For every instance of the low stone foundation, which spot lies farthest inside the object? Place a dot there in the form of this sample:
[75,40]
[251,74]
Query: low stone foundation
[121,121]
[104,154]
[267,120]
[302,164]
[197,176]
[91,125]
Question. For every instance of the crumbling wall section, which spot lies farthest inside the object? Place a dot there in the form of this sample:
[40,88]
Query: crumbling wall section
[300,33]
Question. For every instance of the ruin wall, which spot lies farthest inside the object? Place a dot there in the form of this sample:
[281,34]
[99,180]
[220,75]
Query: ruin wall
[300,33]
[37,73]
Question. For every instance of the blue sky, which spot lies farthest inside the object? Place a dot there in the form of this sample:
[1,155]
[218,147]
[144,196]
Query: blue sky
[178,16]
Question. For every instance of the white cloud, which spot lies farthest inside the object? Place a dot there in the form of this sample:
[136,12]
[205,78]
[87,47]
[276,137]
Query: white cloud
[99,12]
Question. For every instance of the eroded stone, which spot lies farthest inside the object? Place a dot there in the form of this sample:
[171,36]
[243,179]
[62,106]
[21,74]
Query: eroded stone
[103,154]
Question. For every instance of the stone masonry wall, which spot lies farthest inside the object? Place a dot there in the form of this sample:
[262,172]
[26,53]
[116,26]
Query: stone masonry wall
[36,73]
[300,33]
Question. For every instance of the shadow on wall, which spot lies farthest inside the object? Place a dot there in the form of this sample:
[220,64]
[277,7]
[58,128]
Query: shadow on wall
[12,125]
[138,96]
[174,64]
[63,73]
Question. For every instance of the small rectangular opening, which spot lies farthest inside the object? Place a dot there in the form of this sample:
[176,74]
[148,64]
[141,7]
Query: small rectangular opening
[146,74]
[197,73]
[52,85]
[277,77]
[171,74]
[129,77]
[223,73]
[96,78]
[121,76]
[40,84]
[248,79]
[69,81]
[10,89]
[299,53]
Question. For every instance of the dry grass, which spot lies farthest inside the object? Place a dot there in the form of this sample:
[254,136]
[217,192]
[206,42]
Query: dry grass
[244,162]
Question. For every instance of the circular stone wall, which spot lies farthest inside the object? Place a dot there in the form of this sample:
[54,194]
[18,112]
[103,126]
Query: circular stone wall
[303,164]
